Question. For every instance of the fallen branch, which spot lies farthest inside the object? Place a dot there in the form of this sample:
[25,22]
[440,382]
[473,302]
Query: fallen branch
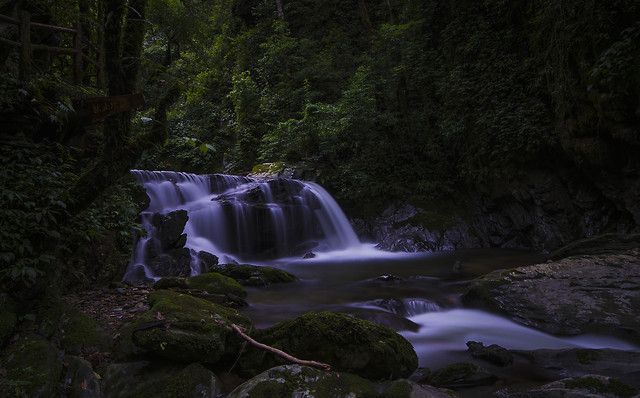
[281,353]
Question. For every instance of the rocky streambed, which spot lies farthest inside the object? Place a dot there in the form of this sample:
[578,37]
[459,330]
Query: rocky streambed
[176,338]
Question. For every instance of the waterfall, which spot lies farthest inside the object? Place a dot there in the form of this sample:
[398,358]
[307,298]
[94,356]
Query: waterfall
[234,218]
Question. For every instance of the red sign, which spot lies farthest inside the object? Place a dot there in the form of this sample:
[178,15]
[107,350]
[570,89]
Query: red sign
[100,107]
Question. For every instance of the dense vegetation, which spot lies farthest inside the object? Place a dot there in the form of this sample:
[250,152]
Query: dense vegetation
[377,100]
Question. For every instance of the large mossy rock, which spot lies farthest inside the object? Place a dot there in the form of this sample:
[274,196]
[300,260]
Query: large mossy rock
[300,381]
[253,275]
[347,344]
[211,282]
[193,381]
[188,329]
[582,294]
[31,368]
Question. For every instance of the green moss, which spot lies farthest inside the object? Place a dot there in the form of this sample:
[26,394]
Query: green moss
[253,275]
[214,282]
[296,380]
[185,384]
[347,344]
[429,220]
[79,330]
[585,357]
[194,329]
[601,386]
[267,169]
[33,368]
[452,372]
[399,389]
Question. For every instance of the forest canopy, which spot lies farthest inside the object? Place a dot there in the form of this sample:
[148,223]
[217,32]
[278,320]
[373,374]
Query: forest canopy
[413,100]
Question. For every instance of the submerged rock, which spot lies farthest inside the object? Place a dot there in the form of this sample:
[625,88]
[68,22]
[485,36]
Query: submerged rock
[494,354]
[459,374]
[558,364]
[347,344]
[188,329]
[581,387]
[582,294]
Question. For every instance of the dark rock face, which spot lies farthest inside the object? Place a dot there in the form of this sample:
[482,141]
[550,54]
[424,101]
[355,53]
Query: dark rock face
[544,212]
[166,254]
[582,387]
[581,294]
[558,364]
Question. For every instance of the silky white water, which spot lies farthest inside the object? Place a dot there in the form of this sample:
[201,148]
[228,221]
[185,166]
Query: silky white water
[275,222]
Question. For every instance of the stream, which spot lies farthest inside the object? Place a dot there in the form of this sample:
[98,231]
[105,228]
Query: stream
[417,294]
[278,221]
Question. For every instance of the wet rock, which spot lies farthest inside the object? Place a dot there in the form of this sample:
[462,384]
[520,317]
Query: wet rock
[460,374]
[581,387]
[309,255]
[601,244]
[545,210]
[406,388]
[494,353]
[80,379]
[207,261]
[170,228]
[583,294]
[300,381]
[557,364]
[347,344]
[188,329]
[253,275]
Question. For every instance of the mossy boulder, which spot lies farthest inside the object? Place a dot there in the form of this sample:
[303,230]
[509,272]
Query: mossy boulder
[347,344]
[544,296]
[407,389]
[211,282]
[302,381]
[32,368]
[253,275]
[186,328]
[193,381]
[8,318]
[77,330]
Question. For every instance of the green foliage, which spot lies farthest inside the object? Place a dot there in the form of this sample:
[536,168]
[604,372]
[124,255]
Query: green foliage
[32,197]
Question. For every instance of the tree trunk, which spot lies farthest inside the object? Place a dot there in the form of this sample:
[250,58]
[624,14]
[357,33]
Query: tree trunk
[280,12]
[366,22]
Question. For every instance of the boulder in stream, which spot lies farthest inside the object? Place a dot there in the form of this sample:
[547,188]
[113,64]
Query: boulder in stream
[582,294]
[188,329]
[345,343]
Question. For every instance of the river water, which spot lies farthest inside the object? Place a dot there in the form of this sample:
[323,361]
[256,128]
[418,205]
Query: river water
[417,294]
[239,219]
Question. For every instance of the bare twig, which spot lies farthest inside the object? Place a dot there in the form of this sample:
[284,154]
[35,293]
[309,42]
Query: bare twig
[281,353]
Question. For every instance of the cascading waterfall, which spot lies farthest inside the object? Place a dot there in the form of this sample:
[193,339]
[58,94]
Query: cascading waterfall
[234,218]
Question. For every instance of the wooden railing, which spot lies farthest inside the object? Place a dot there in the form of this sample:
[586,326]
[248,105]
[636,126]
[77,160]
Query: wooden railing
[27,47]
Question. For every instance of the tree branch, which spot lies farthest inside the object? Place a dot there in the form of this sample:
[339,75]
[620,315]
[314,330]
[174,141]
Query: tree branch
[281,353]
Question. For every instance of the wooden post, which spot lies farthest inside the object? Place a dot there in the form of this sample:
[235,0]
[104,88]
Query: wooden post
[25,43]
[100,67]
[77,60]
